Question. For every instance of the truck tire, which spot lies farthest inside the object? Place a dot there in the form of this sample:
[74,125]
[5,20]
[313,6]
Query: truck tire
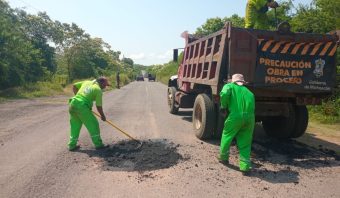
[171,100]
[203,117]
[301,122]
[280,126]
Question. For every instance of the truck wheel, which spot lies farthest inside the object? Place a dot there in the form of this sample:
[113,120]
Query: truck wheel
[280,126]
[203,117]
[301,122]
[171,100]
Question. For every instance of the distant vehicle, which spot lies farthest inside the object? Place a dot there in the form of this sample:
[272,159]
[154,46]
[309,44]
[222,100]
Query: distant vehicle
[151,78]
[140,78]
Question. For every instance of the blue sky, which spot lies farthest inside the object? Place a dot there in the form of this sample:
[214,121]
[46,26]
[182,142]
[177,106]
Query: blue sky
[144,30]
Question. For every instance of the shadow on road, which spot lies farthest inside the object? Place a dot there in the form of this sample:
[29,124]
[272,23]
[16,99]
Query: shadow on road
[294,152]
[281,176]
[286,156]
[123,156]
[186,115]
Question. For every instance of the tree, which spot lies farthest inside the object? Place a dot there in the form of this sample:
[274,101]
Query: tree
[283,13]
[128,61]
[34,47]
[215,24]
[73,36]
[236,20]
[39,30]
[20,59]
[321,16]
[210,26]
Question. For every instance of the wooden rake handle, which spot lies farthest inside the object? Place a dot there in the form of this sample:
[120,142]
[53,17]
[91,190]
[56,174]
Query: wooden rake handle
[120,130]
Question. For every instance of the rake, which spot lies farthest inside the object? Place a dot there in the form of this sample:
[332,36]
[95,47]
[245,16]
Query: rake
[122,131]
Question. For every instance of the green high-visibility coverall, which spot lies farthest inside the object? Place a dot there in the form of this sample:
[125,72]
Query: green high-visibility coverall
[240,103]
[80,112]
[256,16]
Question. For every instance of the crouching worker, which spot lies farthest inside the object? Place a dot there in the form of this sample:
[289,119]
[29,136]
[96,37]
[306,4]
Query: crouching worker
[80,109]
[240,103]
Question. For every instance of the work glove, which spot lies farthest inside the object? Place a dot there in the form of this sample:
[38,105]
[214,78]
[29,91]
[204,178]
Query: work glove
[103,118]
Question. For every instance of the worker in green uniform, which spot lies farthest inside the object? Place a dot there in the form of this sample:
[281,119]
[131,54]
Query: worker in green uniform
[240,104]
[80,109]
[256,17]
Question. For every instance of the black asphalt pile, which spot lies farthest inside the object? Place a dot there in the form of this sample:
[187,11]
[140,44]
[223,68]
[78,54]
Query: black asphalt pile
[153,155]
[293,154]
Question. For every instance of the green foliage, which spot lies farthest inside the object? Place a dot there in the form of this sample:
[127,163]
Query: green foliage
[210,26]
[87,58]
[329,111]
[321,16]
[236,20]
[123,77]
[164,72]
[283,13]
[37,52]
[128,61]
[214,24]
[38,30]
[20,60]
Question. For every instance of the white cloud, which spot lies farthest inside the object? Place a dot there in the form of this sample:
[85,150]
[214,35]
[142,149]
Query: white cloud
[166,55]
[140,56]
[152,55]
[151,58]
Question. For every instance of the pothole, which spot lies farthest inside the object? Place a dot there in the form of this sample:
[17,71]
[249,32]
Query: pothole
[153,155]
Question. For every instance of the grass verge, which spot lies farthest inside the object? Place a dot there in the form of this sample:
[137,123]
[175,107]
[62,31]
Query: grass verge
[51,88]
[32,90]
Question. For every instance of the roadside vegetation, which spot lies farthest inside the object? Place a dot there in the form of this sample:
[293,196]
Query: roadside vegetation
[320,16]
[165,71]
[41,57]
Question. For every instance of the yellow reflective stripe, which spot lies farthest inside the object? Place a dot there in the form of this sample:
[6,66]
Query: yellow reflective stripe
[306,48]
[267,45]
[323,52]
[296,48]
[332,52]
[316,48]
[285,49]
[277,46]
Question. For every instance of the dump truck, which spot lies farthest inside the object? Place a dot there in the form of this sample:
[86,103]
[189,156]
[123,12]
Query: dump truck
[286,71]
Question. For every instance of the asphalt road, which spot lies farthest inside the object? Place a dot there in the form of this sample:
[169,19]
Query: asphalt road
[35,162]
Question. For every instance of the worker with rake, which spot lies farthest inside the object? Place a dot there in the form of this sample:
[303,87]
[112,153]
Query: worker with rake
[80,111]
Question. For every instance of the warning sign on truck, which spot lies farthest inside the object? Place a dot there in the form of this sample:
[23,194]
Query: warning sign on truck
[295,66]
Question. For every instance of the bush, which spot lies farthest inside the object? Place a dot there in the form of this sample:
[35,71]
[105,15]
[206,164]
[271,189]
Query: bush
[328,112]
[31,90]
[166,71]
